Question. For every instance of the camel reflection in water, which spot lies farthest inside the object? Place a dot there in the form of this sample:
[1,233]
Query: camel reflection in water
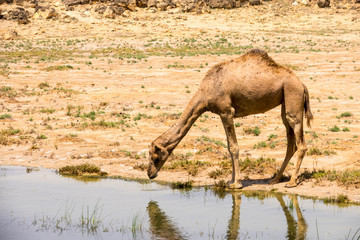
[296,230]
[161,226]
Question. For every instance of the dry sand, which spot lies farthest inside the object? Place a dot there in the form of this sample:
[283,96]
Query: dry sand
[321,46]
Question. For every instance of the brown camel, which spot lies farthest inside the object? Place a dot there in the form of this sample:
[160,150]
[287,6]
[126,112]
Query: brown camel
[253,83]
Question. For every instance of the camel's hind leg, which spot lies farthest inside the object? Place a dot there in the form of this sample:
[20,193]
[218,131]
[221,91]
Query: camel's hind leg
[292,116]
[294,113]
[291,146]
[301,147]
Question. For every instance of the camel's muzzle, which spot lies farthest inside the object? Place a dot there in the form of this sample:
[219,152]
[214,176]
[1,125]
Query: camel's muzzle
[152,176]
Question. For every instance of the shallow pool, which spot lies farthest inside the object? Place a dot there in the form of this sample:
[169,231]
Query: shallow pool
[43,205]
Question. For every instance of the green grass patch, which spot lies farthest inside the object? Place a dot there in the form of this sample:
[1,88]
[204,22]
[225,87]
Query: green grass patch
[350,177]
[5,116]
[82,170]
[207,139]
[346,114]
[259,145]
[10,131]
[255,131]
[340,199]
[259,165]
[6,91]
[48,110]
[43,85]
[218,173]
[314,151]
[334,129]
[58,68]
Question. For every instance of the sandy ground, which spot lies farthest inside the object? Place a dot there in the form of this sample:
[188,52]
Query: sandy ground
[124,67]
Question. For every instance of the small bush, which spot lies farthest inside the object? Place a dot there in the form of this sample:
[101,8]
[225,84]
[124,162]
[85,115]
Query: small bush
[349,177]
[341,198]
[59,68]
[314,151]
[5,116]
[207,139]
[81,170]
[334,129]
[346,129]
[48,111]
[44,85]
[255,131]
[259,165]
[346,114]
[141,166]
[260,145]
[220,185]
[272,136]
[217,173]
[41,136]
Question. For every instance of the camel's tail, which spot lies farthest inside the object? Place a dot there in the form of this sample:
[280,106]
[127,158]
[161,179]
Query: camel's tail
[309,116]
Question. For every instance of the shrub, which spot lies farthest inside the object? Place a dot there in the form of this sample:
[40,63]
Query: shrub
[314,151]
[5,116]
[255,131]
[80,170]
[334,129]
[346,114]
[217,173]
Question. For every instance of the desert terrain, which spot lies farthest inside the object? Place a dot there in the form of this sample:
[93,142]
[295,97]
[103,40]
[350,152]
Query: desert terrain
[82,88]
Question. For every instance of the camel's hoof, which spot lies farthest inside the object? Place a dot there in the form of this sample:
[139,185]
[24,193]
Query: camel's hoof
[274,181]
[234,185]
[291,184]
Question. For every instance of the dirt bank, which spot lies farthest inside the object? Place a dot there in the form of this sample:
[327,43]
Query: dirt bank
[99,90]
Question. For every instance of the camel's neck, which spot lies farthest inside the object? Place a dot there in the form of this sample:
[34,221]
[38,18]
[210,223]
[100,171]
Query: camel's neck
[172,137]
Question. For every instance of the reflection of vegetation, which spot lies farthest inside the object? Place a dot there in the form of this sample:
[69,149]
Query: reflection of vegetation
[182,185]
[340,199]
[32,169]
[85,169]
[87,178]
[261,195]
[219,189]
[161,226]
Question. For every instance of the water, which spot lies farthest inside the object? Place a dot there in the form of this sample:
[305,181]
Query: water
[44,205]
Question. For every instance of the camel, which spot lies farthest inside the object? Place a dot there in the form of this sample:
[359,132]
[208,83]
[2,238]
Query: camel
[250,84]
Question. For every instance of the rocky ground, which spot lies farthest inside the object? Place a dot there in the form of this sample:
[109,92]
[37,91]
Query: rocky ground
[92,83]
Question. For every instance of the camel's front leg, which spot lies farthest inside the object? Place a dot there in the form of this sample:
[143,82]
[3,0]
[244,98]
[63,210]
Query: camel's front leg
[228,122]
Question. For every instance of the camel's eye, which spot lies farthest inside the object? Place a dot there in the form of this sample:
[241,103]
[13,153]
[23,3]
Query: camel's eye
[154,157]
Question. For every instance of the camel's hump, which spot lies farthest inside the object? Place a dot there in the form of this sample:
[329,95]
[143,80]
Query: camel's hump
[258,53]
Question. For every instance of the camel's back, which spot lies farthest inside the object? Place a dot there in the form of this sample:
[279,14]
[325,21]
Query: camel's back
[252,79]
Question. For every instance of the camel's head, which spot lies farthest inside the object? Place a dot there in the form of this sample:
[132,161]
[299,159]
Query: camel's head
[157,157]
